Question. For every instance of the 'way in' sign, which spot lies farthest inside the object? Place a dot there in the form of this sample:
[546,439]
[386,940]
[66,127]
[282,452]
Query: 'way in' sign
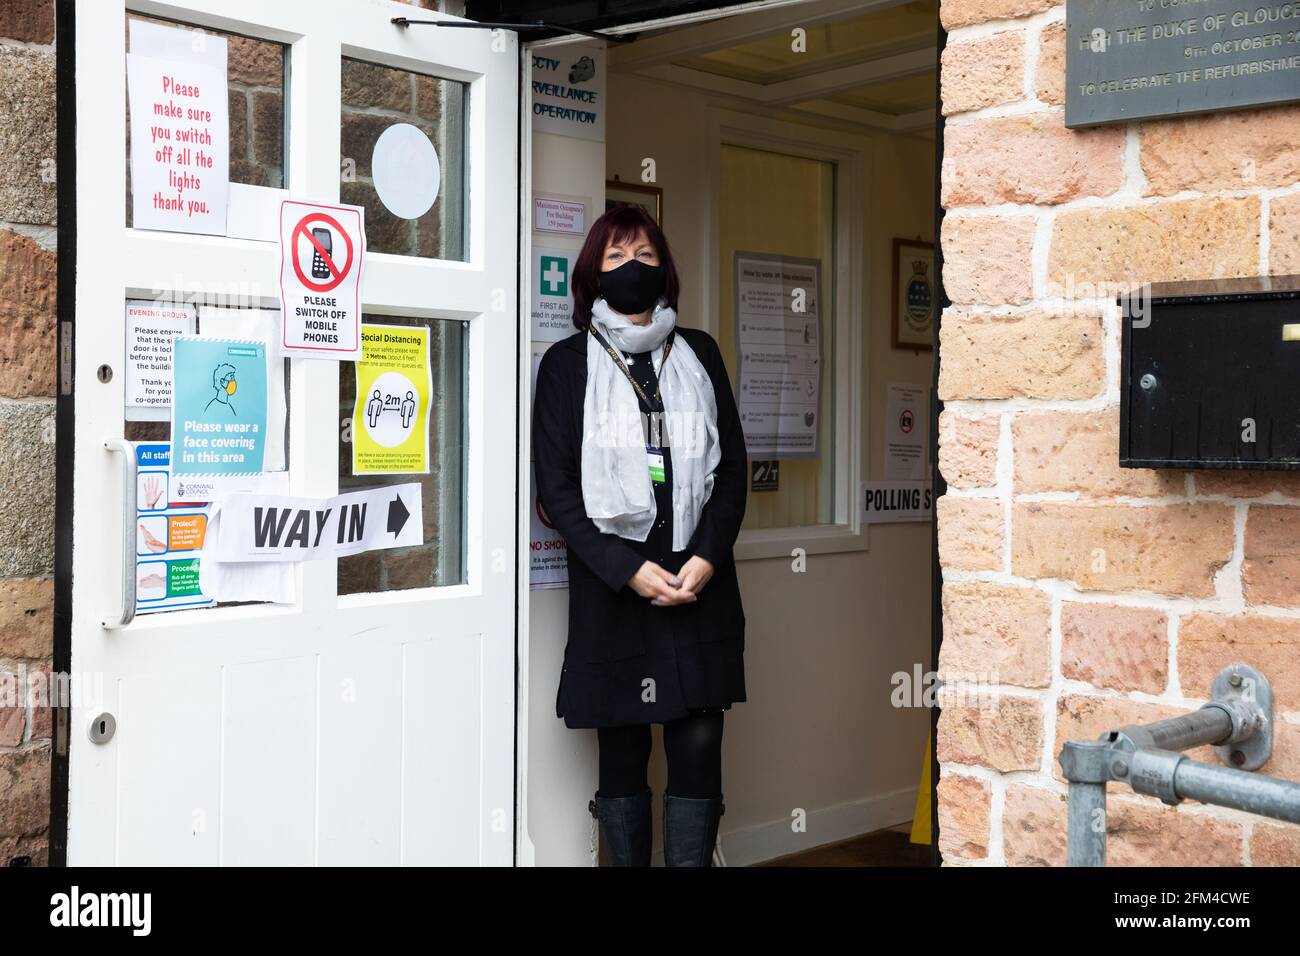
[269,528]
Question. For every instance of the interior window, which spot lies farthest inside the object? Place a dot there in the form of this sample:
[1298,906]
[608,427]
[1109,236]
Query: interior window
[796,219]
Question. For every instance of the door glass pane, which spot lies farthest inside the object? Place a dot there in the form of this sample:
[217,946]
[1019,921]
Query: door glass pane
[255,76]
[150,323]
[796,219]
[403,159]
[441,559]
[170,533]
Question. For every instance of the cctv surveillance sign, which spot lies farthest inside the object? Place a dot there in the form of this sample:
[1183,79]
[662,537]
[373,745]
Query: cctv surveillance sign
[321,248]
[569,91]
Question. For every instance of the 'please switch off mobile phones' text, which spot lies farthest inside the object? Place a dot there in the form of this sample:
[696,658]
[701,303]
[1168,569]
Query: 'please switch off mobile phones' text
[322,314]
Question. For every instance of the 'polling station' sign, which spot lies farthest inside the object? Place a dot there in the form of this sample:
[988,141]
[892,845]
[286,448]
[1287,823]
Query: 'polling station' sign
[891,502]
[280,528]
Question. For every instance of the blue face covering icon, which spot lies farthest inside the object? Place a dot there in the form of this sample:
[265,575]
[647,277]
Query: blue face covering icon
[223,387]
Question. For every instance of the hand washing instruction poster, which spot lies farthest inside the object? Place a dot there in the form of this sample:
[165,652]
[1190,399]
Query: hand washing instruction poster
[390,423]
[218,416]
[168,537]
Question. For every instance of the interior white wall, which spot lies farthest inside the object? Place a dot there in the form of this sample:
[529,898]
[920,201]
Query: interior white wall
[818,732]
[561,775]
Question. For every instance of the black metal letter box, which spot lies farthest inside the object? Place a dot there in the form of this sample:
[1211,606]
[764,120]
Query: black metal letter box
[1210,375]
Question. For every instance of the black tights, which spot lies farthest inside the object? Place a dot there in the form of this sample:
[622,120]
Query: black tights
[692,744]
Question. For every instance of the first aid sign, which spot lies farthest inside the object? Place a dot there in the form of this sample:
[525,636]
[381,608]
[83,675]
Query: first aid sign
[321,249]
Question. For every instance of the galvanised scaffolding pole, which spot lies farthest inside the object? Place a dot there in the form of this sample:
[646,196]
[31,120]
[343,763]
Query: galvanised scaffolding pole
[1238,721]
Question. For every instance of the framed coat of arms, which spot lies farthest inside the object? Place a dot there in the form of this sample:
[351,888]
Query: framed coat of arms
[914,295]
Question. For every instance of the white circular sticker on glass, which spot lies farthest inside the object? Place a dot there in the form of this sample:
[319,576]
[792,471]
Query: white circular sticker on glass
[391,410]
[406,170]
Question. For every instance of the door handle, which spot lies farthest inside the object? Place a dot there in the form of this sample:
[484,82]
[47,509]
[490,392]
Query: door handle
[127,614]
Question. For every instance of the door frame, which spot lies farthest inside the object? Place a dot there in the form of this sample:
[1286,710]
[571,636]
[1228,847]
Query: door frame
[847,541]
[65,410]
[65,150]
[938,485]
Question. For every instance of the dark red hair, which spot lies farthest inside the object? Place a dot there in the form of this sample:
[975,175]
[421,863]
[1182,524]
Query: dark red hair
[619,224]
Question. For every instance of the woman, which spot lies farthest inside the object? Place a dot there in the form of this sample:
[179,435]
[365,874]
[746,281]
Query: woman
[641,467]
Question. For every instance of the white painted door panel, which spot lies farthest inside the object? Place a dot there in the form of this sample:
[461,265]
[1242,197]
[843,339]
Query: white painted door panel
[363,729]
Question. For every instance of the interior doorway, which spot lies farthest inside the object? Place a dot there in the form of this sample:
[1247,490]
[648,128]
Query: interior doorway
[805,134]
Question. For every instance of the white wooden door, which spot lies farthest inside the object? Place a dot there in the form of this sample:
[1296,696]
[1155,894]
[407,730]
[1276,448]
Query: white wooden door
[364,728]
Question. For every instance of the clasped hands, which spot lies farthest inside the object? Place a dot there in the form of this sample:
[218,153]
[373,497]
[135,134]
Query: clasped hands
[665,589]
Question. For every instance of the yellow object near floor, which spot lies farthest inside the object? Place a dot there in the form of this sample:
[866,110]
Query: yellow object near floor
[921,815]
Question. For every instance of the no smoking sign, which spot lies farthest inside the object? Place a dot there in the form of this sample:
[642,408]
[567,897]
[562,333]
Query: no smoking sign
[321,251]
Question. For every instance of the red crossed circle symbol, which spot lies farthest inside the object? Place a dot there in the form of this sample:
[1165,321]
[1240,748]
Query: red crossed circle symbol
[541,515]
[301,231]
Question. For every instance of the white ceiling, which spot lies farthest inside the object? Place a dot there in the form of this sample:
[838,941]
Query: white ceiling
[866,62]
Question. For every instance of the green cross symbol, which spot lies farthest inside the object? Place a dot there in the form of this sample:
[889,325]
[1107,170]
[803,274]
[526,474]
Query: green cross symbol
[555,275]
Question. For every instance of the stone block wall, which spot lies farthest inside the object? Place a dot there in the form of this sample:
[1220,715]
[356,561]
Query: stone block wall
[1085,595]
[27,387]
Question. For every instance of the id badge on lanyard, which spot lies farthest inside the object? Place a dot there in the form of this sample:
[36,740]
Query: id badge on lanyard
[654,452]
[655,459]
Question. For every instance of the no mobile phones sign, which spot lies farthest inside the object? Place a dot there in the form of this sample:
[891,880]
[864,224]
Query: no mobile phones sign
[321,252]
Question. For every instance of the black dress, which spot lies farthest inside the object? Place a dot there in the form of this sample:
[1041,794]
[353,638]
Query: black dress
[626,660]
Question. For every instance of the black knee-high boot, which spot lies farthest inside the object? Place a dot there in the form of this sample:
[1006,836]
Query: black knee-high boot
[625,827]
[691,829]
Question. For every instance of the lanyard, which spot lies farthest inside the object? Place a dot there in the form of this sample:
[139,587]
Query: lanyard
[613,352]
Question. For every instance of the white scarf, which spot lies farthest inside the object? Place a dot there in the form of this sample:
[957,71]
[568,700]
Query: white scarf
[616,485]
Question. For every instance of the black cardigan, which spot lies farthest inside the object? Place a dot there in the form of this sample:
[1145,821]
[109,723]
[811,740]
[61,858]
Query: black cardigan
[626,660]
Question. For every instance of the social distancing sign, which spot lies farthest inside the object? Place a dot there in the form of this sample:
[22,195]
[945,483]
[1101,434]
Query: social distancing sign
[321,253]
[390,423]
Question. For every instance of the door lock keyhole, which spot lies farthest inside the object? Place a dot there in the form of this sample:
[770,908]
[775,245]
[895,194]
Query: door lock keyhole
[102,728]
[104,373]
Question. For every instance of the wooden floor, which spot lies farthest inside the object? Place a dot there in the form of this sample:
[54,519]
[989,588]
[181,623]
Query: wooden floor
[883,848]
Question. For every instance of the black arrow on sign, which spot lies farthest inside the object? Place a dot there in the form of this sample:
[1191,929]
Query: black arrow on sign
[397,515]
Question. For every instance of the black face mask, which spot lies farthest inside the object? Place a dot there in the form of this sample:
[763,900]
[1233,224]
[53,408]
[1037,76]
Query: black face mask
[633,287]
